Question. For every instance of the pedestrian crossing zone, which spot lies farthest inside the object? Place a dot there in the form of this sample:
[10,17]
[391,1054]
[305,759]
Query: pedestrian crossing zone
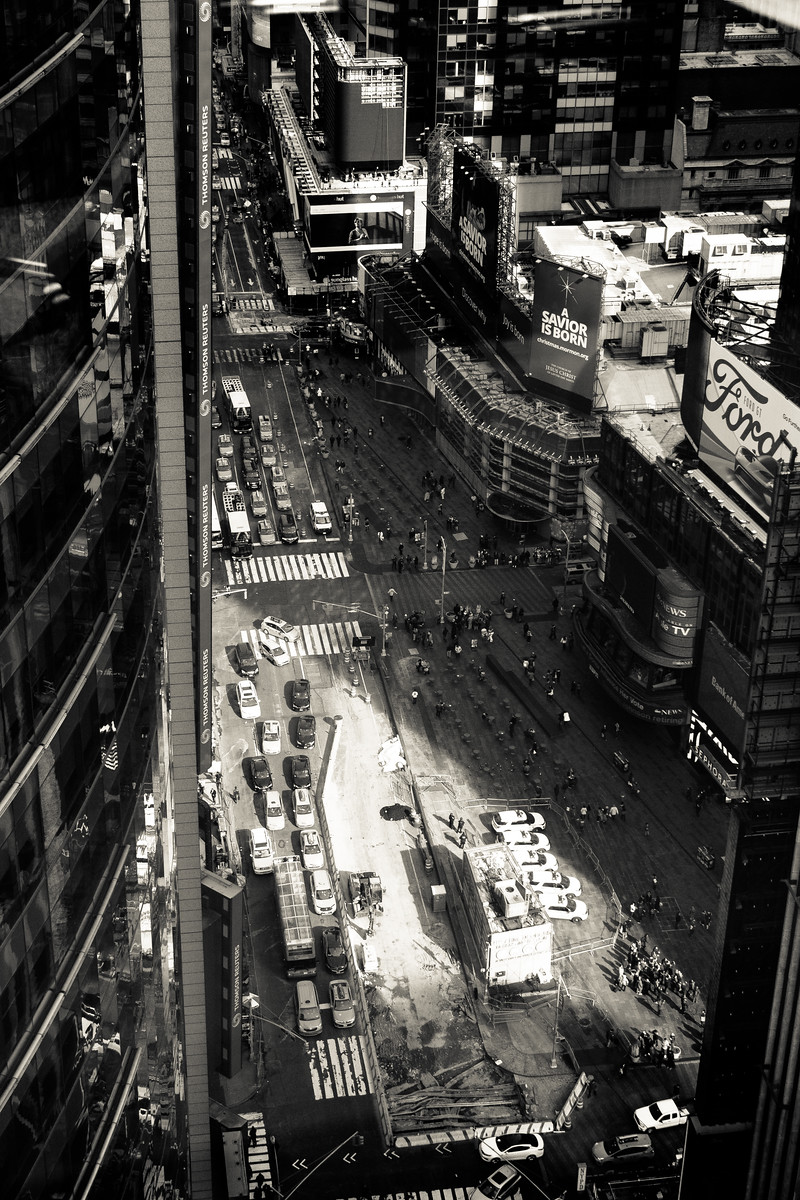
[258,1155]
[227,183]
[287,568]
[339,1068]
[335,637]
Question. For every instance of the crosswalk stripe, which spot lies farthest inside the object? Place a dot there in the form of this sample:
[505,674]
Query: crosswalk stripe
[258,1156]
[337,1068]
[335,637]
[286,568]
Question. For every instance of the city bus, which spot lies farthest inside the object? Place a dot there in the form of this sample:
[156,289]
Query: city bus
[216,529]
[239,411]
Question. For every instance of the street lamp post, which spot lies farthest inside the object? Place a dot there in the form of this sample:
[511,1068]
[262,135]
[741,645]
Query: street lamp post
[425,544]
[349,508]
[444,566]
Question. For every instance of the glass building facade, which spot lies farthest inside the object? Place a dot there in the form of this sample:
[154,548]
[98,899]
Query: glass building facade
[91,1044]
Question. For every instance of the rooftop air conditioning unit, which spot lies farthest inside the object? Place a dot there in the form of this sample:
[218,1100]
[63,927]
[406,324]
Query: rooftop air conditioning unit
[511,900]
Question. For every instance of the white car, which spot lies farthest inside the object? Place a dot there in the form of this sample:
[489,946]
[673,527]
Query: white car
[559,907]
[224,470]
[323,900]
[311,850]
[271,737]
[534,860]
[661,1114]
[511,1147]
[303,808]
[265,429]
[515,835]
[275,817]
[275,651]
[513,817]
[342,1008]
[550,880]
[247,700]
[266,532]
[280,629]
[225,445]
[502,1183]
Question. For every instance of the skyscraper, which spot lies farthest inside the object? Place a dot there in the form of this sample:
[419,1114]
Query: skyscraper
[103,606]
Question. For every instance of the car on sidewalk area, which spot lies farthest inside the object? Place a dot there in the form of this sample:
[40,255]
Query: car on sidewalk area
[501,1183]
[342,1007]
[515,835]
[333,950]
[553,881]
[301,695]
[311,850]
[280,629]
[559,907]
[306,734]
[628,1147]
[300,769]
[511,1147]
[661,1114]
[271,737]
[534,860]
[517,818]
[247,701]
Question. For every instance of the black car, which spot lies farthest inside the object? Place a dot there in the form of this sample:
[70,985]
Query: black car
[216,419]
[333,949]
[287,527]
[260,774]
[301,771]
[307,732]
[246,660]
[301,695]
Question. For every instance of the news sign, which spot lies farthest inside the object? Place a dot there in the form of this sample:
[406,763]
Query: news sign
[747,427]
[476,209]
[567,304]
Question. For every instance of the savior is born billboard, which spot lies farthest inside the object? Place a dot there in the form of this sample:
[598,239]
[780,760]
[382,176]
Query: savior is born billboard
[567,305]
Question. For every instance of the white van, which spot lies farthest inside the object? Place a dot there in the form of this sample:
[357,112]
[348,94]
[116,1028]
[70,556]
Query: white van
[319,518]
[261,851]
[309,1014]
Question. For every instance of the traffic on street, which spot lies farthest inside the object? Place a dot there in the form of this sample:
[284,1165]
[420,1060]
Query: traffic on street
[399,709]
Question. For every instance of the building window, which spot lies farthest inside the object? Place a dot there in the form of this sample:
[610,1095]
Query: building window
[733,172]
[764,171]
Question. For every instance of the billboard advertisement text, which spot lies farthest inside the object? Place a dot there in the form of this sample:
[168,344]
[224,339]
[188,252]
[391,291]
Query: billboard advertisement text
[567,305]
[476,208]
[722,689]
[747,427]
[515,333]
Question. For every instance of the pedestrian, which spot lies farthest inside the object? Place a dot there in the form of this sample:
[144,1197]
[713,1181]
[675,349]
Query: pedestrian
[691,929]
[603,732]
[235,795]
[611,1037]
[502,599]
[623,1066]
[647,829]
[451,820]
[556,789]
[253,1135]
[622,813]
[592,1087]
[616,729]
[392,593]
[414,696]
[678,918]
[460,825]
[462,839]
[553,632]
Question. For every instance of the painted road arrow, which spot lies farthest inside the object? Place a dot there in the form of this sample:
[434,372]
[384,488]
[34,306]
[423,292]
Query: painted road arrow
[299,1164]
[350,1158]
[390,1153]
[442,1148]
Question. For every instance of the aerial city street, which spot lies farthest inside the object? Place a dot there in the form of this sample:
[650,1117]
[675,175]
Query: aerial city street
[400,600]
[369,618]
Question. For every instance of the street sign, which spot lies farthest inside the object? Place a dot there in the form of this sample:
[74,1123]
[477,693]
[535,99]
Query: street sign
[580,1183]
[363,641]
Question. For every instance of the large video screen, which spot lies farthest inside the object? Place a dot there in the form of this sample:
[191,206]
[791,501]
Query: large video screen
[476,208]
[355,226]
[747,427]
[567,305]
[630,575]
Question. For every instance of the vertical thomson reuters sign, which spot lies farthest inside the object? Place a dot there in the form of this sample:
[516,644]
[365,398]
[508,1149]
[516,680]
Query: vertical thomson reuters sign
[567,305]
[203,234]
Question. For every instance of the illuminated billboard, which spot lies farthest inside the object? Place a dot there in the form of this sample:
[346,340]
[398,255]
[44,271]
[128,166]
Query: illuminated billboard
[567,304]
[722,689]
[476,210]
[747,427]
[515,333]
[630,573]
[356,227]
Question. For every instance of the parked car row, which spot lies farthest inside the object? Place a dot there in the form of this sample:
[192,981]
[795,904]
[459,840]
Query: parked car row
[556,892]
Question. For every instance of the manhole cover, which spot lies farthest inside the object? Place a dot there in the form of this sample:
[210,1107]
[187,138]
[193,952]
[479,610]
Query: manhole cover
[585,1023]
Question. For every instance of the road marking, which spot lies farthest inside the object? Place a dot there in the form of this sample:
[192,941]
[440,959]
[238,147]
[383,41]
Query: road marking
[314,640]
[258,1156]
[338,1068]
[287,568]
